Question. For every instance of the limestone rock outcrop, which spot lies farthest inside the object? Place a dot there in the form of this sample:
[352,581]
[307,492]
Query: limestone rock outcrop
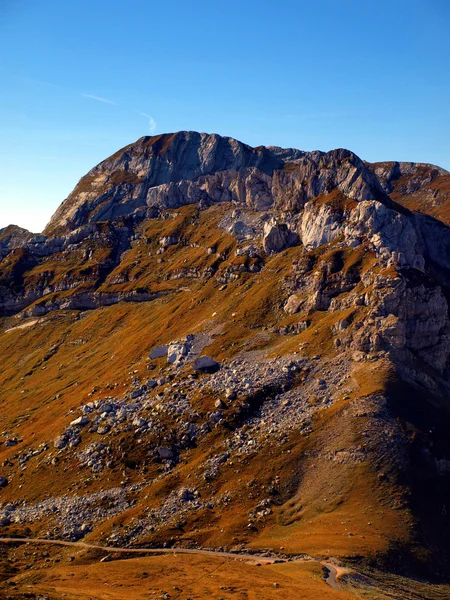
[278,199]
[278,237]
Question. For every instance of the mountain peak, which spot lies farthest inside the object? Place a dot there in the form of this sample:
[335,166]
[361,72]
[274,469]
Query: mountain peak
[137,176]
[233,345]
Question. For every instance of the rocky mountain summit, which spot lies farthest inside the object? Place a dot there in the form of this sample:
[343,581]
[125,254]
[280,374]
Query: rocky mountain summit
[236,347]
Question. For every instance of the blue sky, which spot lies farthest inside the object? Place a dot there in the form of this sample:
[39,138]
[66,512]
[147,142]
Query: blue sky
[372,76]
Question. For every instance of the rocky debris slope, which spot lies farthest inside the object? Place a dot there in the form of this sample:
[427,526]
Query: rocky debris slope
[263,402]
[74,516]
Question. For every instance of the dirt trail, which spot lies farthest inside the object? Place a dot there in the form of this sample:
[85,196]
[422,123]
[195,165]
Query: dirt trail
[334,571]
[252,557]
[332,576]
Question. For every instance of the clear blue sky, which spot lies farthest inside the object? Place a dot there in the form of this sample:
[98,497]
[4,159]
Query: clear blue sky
[369,75]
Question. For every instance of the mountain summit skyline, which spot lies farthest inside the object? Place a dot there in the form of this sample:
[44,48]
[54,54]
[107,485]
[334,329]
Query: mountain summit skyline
[208,153]
[314,80]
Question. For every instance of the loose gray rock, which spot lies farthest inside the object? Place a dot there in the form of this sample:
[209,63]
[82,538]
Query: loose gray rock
[158,352]
[168,240]
[165,452]
[206,363]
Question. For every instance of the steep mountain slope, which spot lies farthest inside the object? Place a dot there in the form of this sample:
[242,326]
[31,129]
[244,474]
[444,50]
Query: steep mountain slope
[226,346]
[420,187]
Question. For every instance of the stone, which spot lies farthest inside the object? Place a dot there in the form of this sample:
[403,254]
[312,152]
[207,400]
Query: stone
[103,429]
[139,423]
[177,352]
[59,442]
[80,421]
[168,240]
[3,482]
[186,495]
[292,305]
[278,237]
[206,363]
[158,352]
[166,453]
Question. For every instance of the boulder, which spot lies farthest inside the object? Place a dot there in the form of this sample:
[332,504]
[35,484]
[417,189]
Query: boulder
[206,363]
[158,352]
[177,352]
[292,305]
[60,442]
[278,237]
[168,240]
[3,482]
[80,421]
[165,452]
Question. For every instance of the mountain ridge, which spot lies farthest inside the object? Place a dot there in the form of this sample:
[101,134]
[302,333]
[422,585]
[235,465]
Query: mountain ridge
[257,356]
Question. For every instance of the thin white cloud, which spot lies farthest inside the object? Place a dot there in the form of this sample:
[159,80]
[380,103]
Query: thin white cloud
[99,99]
[151,122]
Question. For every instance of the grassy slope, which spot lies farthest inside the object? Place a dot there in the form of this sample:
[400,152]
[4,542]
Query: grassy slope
[52,367]
[196,577]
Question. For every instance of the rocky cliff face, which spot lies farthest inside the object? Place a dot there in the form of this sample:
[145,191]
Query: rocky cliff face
[13,237]
[307,286]
[420,187]
[167,171]
[309,199]
[120,184]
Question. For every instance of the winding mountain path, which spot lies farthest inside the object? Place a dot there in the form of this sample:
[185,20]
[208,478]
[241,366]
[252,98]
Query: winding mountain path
[333,571]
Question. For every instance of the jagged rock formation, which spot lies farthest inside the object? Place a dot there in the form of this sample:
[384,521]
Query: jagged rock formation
[167,171]
[122,183]
[260,302]
[12,237]
[421,187]
[316,198]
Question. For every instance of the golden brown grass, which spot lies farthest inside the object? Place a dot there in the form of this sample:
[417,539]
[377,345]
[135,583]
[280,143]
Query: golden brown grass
[181,577]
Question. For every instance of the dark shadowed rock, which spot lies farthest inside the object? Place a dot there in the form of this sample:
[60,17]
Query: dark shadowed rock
[206,363]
